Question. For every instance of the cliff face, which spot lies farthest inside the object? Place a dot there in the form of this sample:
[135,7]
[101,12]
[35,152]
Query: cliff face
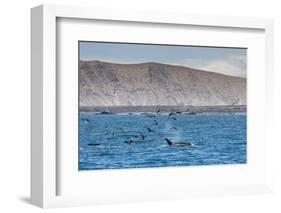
[147,84]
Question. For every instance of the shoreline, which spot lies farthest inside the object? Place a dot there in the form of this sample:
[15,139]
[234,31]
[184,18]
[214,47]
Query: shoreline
[163,109]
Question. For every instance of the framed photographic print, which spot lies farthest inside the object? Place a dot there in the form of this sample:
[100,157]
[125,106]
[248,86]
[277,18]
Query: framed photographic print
[130,106]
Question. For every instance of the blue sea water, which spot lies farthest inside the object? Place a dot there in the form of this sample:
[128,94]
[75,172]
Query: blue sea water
[216,138]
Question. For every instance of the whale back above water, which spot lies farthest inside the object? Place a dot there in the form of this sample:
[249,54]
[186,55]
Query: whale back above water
[170,143]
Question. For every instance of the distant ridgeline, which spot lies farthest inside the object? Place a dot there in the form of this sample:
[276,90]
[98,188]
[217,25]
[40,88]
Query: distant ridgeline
[153,86]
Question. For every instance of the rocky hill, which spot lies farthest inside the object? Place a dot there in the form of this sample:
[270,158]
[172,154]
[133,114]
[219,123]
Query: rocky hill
[150,84]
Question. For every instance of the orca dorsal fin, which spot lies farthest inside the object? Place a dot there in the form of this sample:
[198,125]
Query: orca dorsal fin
[170,143]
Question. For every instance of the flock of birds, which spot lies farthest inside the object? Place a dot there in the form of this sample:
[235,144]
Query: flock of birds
[140,136]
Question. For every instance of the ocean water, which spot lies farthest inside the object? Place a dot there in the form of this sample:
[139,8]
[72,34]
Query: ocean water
[216,138]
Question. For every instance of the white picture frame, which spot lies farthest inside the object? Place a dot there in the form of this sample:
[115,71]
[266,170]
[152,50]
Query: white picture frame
[45,168]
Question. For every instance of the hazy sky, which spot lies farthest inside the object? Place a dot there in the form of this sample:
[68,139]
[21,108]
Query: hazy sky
[229,61]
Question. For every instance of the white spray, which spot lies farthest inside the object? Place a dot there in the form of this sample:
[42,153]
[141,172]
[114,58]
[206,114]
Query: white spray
[176,134]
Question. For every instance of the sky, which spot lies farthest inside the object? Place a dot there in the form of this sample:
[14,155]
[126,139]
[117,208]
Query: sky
[228,61]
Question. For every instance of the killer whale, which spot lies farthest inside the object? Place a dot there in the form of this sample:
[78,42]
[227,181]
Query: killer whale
[93,144]
[170,143]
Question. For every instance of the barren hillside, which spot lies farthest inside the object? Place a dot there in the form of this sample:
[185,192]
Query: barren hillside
[149,84]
